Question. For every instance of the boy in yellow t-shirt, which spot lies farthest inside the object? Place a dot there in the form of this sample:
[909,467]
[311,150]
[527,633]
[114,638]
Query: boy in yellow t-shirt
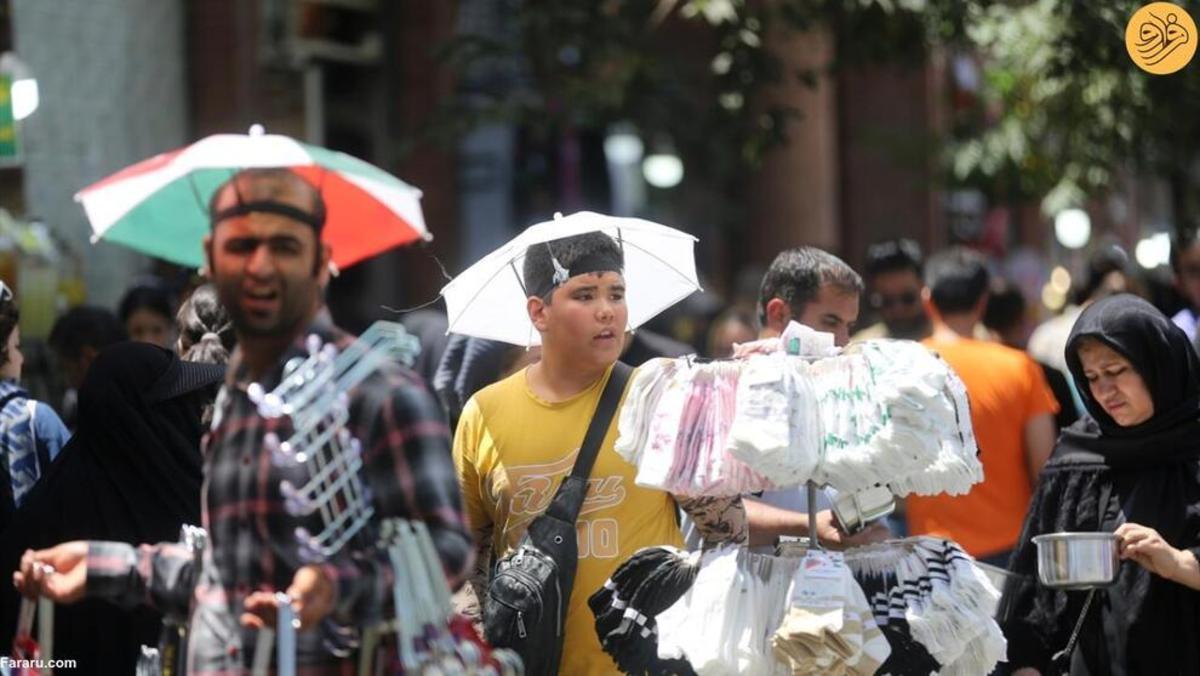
[517,439]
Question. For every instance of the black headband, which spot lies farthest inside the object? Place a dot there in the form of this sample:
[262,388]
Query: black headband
[315,219]
[588,263]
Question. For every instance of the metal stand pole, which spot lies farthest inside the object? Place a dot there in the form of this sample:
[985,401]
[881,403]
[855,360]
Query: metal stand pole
[813,540]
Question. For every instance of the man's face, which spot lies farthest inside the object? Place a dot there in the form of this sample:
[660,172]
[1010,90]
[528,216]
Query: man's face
[585,319]
[268,269]
[896,295]
[1187,279]
[834,310]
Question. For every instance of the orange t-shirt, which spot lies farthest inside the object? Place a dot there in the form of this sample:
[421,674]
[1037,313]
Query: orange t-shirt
[1006,389]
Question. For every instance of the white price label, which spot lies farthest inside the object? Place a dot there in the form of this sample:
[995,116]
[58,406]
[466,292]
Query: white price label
[820,581]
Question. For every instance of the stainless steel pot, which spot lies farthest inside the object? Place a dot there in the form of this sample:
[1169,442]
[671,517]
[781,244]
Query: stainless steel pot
[854,511]
[1077,560]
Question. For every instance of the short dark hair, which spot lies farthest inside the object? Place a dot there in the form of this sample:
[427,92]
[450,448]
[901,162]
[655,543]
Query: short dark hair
[797,275]
[1103,262]
[957,278]
[274,182]
[146,296]
[205,329]
[85,326]
[1005,308]
[10,315]
[894,255]
[592,250]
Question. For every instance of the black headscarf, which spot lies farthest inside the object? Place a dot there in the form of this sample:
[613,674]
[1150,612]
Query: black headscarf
[1102,475]
[1160,353]
[131,473]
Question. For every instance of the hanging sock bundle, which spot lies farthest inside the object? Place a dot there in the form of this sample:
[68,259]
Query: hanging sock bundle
[724,623]
[777,427]
[886,412]
[829,627]
[886,409]
[752,613]
[932,591]
[674,424]
[625,608]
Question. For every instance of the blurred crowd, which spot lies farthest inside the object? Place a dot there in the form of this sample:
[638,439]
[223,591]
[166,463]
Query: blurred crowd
[117,458]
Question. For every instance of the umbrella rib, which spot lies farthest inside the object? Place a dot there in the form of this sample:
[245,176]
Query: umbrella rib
[467,305]
[665,264]
[191,179]
[520,282]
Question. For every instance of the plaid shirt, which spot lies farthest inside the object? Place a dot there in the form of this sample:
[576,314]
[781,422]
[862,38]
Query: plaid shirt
[252,546]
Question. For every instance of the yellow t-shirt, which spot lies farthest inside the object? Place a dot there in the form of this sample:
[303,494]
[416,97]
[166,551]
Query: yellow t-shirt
[512,450]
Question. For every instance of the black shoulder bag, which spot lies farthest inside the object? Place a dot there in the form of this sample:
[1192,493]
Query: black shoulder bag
[527,598]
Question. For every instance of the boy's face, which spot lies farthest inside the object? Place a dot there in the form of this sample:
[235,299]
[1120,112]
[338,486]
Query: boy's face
[1187,277]
[585,319]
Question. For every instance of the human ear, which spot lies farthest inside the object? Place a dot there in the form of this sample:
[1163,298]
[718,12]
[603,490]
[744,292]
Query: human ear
[777,314]
[537,309]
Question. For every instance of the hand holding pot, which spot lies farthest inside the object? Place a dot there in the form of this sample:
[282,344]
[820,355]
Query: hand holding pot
[1144,546]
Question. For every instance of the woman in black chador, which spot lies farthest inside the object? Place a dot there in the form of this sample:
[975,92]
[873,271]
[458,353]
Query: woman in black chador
[132,474]
[1131,466]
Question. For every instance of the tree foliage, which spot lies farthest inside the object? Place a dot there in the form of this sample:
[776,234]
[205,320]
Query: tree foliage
[1059,113]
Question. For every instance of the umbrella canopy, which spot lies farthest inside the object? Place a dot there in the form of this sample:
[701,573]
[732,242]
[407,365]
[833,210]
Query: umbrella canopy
[488,299]
[160,206]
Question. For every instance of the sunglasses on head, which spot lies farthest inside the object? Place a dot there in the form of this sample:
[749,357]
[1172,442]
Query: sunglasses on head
[885,302]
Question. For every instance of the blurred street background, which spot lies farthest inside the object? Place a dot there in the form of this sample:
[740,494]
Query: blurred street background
[1022,129]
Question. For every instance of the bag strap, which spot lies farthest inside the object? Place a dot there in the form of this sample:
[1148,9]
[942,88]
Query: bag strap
[10,396]
[598,428]
[610,398]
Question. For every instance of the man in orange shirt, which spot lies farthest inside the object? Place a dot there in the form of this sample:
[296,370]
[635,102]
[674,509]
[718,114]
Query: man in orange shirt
[1012,411]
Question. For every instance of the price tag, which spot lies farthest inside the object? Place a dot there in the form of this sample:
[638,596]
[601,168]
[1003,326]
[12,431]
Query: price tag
[820,581]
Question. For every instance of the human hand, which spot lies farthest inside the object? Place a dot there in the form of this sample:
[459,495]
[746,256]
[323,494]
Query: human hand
[831,534]
[1026,671]
[1144,546]
[312,596]
[58,573]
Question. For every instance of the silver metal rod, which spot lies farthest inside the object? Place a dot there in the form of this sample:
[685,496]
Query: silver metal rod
[813,540]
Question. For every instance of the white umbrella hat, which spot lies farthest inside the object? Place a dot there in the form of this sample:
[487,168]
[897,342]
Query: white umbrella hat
[487,300]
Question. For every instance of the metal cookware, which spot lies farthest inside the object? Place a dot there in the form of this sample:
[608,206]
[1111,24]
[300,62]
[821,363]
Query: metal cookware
[1077,560]
[854,511]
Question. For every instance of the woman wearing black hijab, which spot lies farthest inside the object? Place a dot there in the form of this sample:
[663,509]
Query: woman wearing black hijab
[1131,466]
[131,473]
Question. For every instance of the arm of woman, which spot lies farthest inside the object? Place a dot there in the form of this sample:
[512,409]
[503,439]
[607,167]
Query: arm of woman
[1144,546]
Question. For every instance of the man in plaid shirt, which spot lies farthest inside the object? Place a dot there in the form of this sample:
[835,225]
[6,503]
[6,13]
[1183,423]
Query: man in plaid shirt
[269,266]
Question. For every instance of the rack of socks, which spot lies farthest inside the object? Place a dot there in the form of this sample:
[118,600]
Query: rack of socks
[905,607]
[933,603]
[885,412]
[733,611]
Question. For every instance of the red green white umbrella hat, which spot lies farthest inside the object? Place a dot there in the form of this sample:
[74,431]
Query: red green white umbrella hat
[159,206]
